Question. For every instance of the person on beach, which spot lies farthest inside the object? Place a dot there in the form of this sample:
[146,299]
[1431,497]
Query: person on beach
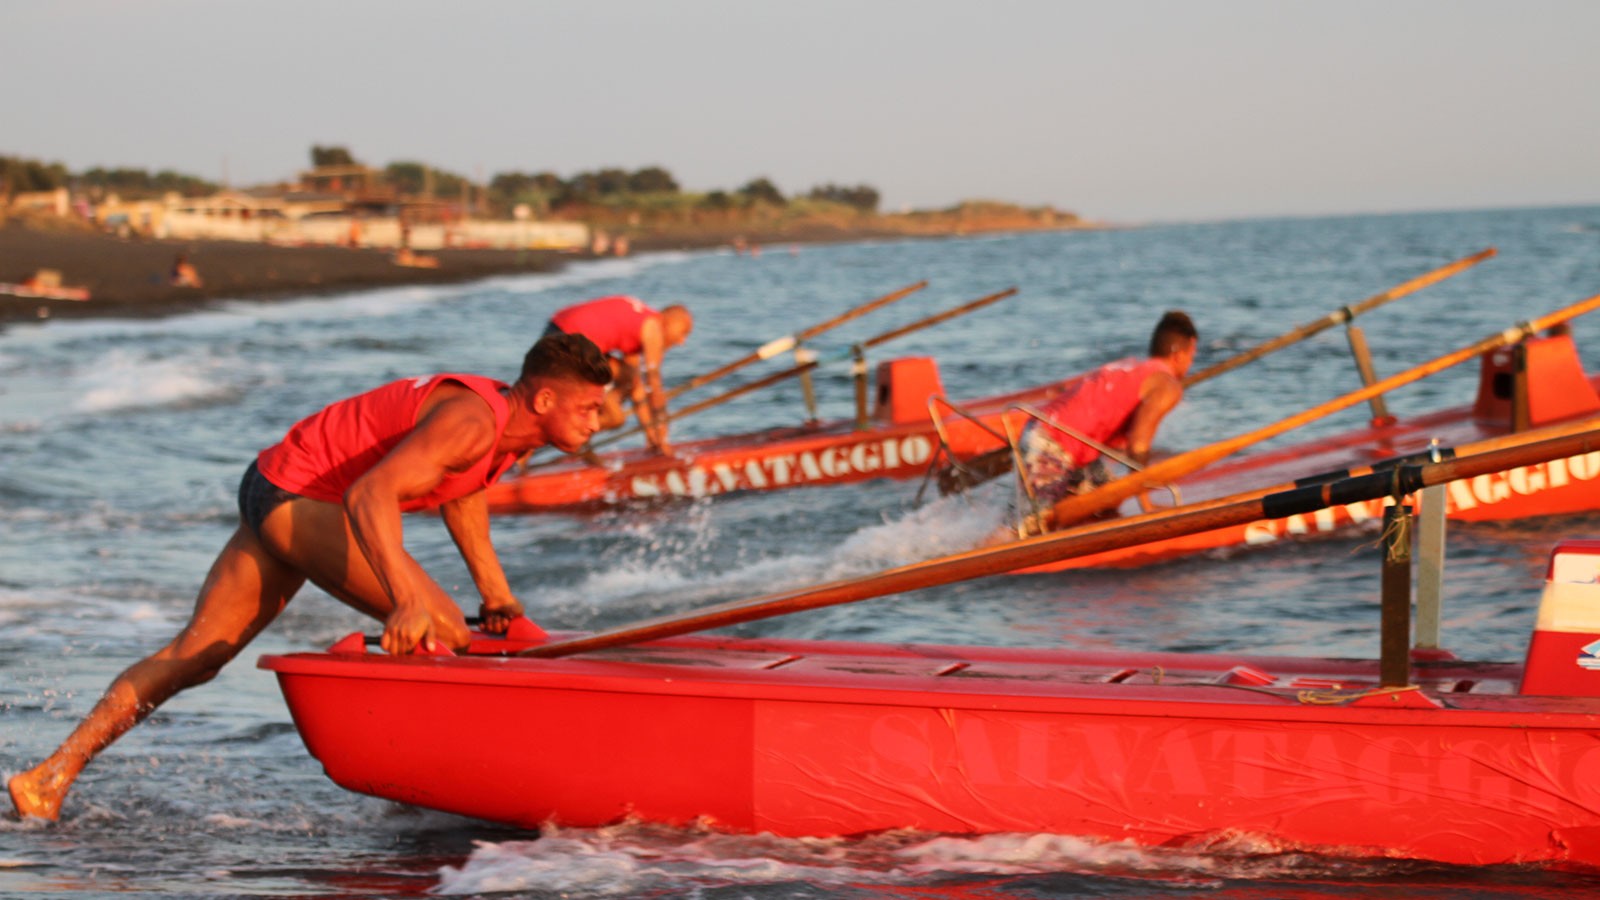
[635,337]
[324,505]
[1119,405]
[184,273]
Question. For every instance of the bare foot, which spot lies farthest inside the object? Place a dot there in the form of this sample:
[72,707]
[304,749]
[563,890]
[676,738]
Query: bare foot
[37,793]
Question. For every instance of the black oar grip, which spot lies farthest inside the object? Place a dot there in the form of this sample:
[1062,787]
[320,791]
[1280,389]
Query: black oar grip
[1397,482]
[1432,454]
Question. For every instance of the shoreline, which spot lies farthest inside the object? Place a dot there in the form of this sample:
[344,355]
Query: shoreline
[130,277]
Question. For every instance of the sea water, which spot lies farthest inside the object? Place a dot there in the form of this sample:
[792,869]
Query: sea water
[122,442]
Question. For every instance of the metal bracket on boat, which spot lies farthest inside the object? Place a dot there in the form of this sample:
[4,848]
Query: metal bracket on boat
[1430,561]
[858,371]
[971,475]
[1369,377]
[804,356]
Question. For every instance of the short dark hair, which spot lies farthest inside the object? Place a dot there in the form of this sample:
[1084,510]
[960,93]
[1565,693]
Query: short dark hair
[1172,332]
[566,356]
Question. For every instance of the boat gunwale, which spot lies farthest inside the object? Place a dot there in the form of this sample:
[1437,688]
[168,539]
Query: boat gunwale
[1178,695]
[774,440]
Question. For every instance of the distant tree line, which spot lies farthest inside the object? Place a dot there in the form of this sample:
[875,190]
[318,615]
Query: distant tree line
[542,192]
[546,191]
[549,191]
[20,175]
[134,183]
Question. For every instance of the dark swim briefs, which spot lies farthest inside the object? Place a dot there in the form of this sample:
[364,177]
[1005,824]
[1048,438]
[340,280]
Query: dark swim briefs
[258,497]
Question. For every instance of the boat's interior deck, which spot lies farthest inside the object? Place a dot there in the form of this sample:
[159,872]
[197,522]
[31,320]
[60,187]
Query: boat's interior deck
[1032,670]
[1310,674]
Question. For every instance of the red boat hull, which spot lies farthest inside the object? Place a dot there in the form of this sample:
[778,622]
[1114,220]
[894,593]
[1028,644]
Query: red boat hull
[1562,395]
[899,441]
[803,738]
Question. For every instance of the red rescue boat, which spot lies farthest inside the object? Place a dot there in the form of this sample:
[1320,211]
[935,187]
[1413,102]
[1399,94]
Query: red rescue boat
[1466,763]
[899,440]
[1538,385]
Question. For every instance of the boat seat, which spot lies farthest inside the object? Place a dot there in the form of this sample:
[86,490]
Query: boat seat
[1249,676]
[904,386]
[1556,386]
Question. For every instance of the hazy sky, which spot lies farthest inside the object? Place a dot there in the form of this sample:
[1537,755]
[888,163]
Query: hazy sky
[1118,109]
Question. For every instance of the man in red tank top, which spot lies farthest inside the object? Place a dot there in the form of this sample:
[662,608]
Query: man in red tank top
[635,337]
[323,505]
[1117,406]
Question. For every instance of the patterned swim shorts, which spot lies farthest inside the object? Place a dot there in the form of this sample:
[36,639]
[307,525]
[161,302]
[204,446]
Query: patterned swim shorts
[1052,471]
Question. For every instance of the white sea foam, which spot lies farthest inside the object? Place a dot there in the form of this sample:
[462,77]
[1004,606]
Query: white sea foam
[633,859]
[672,578]
[122,380]
[37,613]
[944,526]
[627,861]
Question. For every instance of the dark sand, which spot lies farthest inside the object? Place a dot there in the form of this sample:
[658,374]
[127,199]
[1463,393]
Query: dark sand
[131,277]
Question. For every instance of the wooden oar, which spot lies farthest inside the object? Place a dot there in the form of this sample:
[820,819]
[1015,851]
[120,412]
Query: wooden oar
[1057,547]
[785,344]
[1340,316]
[786,374]
[1473,448]
[1499,442]
[1108,496]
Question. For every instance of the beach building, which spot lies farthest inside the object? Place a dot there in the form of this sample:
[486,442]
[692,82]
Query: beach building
[353,206]
[227,215]
[56,201]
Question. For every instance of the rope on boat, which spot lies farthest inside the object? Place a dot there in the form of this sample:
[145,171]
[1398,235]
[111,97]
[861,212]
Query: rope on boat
[1333,697]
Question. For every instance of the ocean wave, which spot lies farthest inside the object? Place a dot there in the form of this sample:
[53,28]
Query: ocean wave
[129,383]
[671,564]
[633,859]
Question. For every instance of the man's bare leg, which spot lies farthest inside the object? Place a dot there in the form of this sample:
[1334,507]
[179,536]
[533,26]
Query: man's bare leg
[314,538]
[245,590]
[248,586]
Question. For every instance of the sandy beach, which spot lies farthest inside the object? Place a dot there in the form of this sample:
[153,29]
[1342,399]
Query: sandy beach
[131,277]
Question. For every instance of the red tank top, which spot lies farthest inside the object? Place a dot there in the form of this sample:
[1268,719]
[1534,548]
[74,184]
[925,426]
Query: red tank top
[324,453]
[613,323]
[1100,406]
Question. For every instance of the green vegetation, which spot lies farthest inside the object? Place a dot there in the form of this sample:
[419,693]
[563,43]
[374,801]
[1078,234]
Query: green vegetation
[140,184]
[863,197]
[331,156]
[19,175]
[645,200]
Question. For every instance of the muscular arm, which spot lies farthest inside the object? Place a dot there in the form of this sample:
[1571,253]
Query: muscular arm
[454,429]
[1161,395]
[467,520]
[649,398]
